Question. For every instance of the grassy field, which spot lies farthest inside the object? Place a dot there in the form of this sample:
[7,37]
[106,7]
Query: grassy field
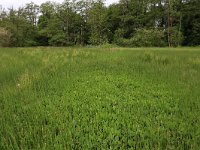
[95,98]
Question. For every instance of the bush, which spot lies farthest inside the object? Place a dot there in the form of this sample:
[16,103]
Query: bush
[177,37]
[59,40]
[5,37]
[124,42]
[29,43]
[97,39]
[144,38]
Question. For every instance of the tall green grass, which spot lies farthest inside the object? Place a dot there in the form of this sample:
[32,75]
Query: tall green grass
[99,98]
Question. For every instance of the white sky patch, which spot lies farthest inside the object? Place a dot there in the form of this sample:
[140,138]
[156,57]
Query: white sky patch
[20,3]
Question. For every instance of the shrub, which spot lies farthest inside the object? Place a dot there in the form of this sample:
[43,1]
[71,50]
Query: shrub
[144,38]
[98,39]
[177,37]
[5,37]
[123,42]
[59,40]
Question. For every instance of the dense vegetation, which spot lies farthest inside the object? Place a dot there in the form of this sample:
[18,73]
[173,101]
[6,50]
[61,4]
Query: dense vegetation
[111,98]
[129,23]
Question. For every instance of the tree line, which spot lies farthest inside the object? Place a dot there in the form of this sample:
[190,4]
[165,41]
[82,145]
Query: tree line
[129,23]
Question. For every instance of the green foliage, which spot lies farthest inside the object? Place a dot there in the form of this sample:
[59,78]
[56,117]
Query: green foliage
[119,33]
[96,39]
[144,38]
[97,20]
[149,38]
[150,57]
[78,98]
[129,23]
[190,23]
[123,42]
[5,37]
[107,45]
[59,40]
[22,31]
[177,37]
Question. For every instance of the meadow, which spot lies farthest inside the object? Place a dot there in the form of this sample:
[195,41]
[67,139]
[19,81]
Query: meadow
[99,98]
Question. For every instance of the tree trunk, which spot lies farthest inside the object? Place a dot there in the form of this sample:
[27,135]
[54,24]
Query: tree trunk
[169,24]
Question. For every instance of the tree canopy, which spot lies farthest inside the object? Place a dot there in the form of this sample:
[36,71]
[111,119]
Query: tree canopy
[130,23]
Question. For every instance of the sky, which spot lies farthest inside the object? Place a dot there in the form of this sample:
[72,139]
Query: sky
[18,3]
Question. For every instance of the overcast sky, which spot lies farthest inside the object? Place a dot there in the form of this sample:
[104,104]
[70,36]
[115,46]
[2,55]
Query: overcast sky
[18,3]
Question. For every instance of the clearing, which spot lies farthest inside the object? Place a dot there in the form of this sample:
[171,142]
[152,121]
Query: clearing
[99,98]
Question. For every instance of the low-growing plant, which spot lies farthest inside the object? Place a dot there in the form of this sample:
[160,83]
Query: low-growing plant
[107,45]
[91,98]
[144,38]
[152,57]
